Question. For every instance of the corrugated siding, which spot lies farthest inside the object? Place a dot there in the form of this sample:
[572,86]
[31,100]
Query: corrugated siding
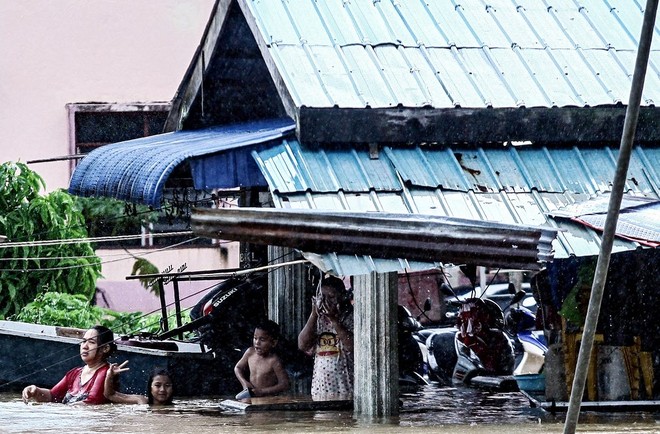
[137,170]
[443,54]
[508,185]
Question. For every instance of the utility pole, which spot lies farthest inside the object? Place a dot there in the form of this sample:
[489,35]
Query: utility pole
[609,231]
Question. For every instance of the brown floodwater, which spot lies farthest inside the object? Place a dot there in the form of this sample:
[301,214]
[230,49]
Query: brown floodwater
[430,410]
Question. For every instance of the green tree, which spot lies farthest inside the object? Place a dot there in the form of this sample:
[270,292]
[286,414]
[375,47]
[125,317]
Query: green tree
[107,216]
[27,216]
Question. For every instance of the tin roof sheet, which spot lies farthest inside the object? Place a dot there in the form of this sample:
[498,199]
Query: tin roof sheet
[516,185]
[472,53]
[138,170]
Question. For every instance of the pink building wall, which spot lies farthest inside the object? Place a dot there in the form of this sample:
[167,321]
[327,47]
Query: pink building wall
[72,51]
[54,53]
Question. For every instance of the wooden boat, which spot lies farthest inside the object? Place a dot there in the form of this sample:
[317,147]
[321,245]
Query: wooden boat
[41,355]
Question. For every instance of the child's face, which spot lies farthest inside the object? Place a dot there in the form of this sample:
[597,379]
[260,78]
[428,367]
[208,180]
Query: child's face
[262,342]
[161,389]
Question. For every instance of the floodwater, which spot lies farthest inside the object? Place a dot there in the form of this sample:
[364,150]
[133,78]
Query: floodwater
[430,410]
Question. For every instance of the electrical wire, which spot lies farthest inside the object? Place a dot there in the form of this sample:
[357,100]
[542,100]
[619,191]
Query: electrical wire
[114,238]
[107,255]
[70,267]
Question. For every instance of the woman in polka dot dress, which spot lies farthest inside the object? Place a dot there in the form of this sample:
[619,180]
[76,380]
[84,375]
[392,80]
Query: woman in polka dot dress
[328,336]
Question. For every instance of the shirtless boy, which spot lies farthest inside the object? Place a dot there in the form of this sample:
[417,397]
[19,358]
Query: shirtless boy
[260,370]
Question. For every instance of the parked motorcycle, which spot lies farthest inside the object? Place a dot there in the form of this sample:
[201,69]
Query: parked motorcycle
[224,319]
[478,351]
[530,348]
[412,349]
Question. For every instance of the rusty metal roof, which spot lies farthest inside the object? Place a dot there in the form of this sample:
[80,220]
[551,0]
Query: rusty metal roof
[515,185]
[383,235]
[445,54]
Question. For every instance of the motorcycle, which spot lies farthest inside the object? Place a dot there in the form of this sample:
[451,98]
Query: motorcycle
[412,349]
[223,320]
[530,348]
[478,351]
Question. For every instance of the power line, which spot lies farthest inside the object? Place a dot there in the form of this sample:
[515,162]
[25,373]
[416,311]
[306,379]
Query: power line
[90,240]
[69,267]
[124,255]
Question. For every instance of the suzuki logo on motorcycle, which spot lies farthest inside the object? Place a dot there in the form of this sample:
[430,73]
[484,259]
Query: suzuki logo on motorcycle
[231,292]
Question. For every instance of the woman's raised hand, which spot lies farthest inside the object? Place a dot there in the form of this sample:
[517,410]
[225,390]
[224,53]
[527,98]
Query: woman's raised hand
[116,369]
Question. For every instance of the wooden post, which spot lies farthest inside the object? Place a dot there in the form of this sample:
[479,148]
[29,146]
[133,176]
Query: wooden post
[376,391]
[289,302]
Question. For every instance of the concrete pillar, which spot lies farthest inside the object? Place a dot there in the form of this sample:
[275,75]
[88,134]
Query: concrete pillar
[289,301]
[376,391]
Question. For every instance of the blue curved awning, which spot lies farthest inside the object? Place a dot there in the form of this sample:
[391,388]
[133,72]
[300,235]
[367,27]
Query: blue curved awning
[137,170]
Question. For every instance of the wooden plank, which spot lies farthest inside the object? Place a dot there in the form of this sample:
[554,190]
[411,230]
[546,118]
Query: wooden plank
[608,406]
[286,403]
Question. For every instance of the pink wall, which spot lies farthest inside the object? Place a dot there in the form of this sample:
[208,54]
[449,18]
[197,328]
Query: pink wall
[56,52]
[129,296]
[72,51]
[133,297]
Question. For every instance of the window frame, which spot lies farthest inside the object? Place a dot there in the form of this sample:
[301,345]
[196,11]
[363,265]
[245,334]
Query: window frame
[104,108]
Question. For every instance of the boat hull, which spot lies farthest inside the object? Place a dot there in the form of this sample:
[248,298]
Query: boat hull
[41,355]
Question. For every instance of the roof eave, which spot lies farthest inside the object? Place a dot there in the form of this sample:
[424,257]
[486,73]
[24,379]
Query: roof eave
[472,125]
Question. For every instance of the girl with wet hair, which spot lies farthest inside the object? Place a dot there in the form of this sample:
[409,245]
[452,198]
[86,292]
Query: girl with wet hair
[84,384]
[160,388]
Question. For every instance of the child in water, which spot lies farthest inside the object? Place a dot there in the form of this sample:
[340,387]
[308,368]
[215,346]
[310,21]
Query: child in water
[260,370]
[160,389]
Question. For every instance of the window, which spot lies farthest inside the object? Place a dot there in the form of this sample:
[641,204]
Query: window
[94,125]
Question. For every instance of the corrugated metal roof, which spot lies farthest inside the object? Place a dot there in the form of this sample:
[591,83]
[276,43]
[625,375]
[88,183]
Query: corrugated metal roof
[639,217]
[137,170]
[516,185]
[383,235]
[443,54]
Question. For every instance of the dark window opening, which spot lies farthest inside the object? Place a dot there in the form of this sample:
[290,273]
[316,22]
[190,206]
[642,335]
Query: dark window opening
[95,129]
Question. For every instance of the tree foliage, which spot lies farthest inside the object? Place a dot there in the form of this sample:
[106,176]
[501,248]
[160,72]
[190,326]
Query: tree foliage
[107,216]
[27,216]
[73,310]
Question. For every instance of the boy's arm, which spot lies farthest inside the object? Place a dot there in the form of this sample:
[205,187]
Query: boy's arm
[282,381]
[242,369]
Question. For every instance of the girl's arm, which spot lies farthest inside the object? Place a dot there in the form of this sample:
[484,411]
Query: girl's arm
[307,336]
[110,390]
